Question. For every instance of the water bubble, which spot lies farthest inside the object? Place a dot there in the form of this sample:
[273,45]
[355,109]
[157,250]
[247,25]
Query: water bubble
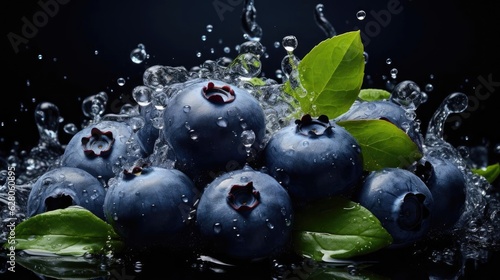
[288,64]
[121,81]
[278,73]
[290,43]
[193,135]
[429,87]
[269,224]
[221,122]
[40,57]
[248,138]
[394,73]
[139,54]
[203,37]
[70,128]
[210,28]
[388,61]
[142,95]
[361,15]
[227,49]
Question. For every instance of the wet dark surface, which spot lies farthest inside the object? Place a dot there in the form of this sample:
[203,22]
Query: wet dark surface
[401,264]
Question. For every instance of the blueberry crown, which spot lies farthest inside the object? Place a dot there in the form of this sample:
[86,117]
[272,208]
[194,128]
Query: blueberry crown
[215,94]
[314,127]
[99,143]
[243,197]
[413,212]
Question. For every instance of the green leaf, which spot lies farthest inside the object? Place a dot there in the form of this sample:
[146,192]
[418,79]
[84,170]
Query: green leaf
[374,94]
[491,172]
[70,231]
[382,144]
[332,75]
[337,228]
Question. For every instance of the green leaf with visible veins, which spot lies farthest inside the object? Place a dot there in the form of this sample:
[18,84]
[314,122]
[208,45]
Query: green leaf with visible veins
[374,94]
[382,144]
[71,231]
[331,74]
[491,172]
[337,228]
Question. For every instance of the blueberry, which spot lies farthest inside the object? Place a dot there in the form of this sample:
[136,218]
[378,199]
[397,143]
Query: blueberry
[244,215]
[65,186]
[314,158]
[385,110]
[448,187]
[98,148]
[148,134]
[150,206]
[400,200]
[213,127]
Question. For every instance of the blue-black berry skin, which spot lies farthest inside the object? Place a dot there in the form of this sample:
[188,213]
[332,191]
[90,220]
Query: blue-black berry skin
[66,186]
[213,127]
[244,215]
[401,201]
[148,134]
[314,158]
[448,187]
[99,148]
[150,206]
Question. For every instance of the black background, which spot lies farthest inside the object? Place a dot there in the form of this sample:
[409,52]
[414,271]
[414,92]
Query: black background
[455,42]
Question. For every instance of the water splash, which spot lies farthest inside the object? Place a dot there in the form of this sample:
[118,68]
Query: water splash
[453,103]
[478,228]
[47,119]
[323,22]
[93,106]
[252,31]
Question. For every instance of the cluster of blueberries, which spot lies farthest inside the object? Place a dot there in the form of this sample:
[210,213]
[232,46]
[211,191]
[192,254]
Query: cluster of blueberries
[234,187]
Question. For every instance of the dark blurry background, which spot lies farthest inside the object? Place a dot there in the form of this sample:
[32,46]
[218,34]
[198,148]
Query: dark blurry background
[65,50]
